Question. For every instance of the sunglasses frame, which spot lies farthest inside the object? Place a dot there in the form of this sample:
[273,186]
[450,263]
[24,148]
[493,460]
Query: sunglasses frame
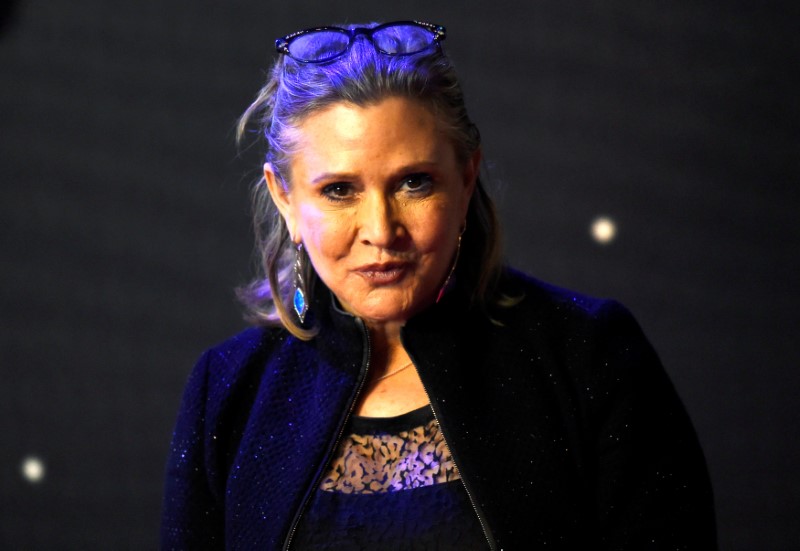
[282,44]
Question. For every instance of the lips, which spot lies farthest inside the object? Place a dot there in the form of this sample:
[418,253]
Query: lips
[383,274]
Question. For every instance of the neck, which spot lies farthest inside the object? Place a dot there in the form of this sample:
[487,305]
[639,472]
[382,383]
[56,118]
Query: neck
[393,387]
[387,349]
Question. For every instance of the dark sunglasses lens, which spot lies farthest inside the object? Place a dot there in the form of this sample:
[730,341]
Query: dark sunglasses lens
[318,45]
[403,39]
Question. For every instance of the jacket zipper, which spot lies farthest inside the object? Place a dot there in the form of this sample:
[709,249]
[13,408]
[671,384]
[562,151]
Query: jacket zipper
[366,363]
[481,520]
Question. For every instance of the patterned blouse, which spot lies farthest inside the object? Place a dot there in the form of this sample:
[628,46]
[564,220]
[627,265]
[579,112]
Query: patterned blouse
[392,484]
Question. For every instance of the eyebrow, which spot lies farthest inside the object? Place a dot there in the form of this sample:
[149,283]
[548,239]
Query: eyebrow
[349,177]
[333,177]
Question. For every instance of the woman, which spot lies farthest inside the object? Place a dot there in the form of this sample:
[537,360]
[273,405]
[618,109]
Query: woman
[401,389]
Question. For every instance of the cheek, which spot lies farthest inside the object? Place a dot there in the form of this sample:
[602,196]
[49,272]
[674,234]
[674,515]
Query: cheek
[325,233]
[437,228]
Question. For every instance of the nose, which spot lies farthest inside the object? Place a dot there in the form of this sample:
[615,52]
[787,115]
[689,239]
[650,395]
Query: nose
[378,222]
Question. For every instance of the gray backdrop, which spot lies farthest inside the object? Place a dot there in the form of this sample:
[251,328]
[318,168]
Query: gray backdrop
[123,205]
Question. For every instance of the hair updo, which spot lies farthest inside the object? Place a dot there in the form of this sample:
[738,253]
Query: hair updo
[362,77]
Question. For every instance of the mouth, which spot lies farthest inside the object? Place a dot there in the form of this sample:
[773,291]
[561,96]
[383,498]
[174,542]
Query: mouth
[383,274]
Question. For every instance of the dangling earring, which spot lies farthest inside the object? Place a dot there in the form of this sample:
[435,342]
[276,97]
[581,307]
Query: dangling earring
[299,300]
[455,262]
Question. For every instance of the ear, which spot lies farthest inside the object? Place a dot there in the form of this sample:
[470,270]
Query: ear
[282,199]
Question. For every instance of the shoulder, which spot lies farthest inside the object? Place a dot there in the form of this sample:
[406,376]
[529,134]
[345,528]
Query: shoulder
[234,362]
[586,336]
[240,348]
[593,348]
[538,300]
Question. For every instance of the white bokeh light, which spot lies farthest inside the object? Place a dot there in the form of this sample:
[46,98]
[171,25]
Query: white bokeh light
[603,230]
[32,469]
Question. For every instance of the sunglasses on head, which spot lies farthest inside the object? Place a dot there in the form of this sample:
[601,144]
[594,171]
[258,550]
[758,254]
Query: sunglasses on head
[398,38]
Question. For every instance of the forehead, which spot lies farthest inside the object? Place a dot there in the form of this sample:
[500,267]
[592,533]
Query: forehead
[394,130]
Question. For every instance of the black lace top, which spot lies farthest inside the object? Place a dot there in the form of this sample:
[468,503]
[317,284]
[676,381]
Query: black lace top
[392,484]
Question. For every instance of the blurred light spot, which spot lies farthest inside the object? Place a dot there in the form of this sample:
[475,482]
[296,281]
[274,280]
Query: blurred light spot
[32,469]
[604,230]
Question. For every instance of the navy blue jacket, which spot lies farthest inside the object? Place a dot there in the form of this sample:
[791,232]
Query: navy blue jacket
[563,424]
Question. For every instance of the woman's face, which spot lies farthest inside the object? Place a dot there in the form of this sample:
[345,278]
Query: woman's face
[378,199]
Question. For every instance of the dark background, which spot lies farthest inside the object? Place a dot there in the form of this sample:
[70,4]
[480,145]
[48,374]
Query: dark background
[124,213]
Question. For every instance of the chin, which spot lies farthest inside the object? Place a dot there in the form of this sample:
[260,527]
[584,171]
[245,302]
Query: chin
[395,303]
[384,315]
[380,308]
[385,312]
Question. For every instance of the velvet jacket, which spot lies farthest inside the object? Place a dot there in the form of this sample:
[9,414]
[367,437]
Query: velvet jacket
[562,422]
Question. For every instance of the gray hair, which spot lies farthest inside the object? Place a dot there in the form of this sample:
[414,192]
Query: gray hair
[360,77]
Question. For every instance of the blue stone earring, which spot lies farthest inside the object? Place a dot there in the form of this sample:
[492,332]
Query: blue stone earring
[299,300]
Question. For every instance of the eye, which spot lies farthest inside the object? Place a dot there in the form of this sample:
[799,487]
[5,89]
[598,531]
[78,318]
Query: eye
[337,191]
[417,183]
